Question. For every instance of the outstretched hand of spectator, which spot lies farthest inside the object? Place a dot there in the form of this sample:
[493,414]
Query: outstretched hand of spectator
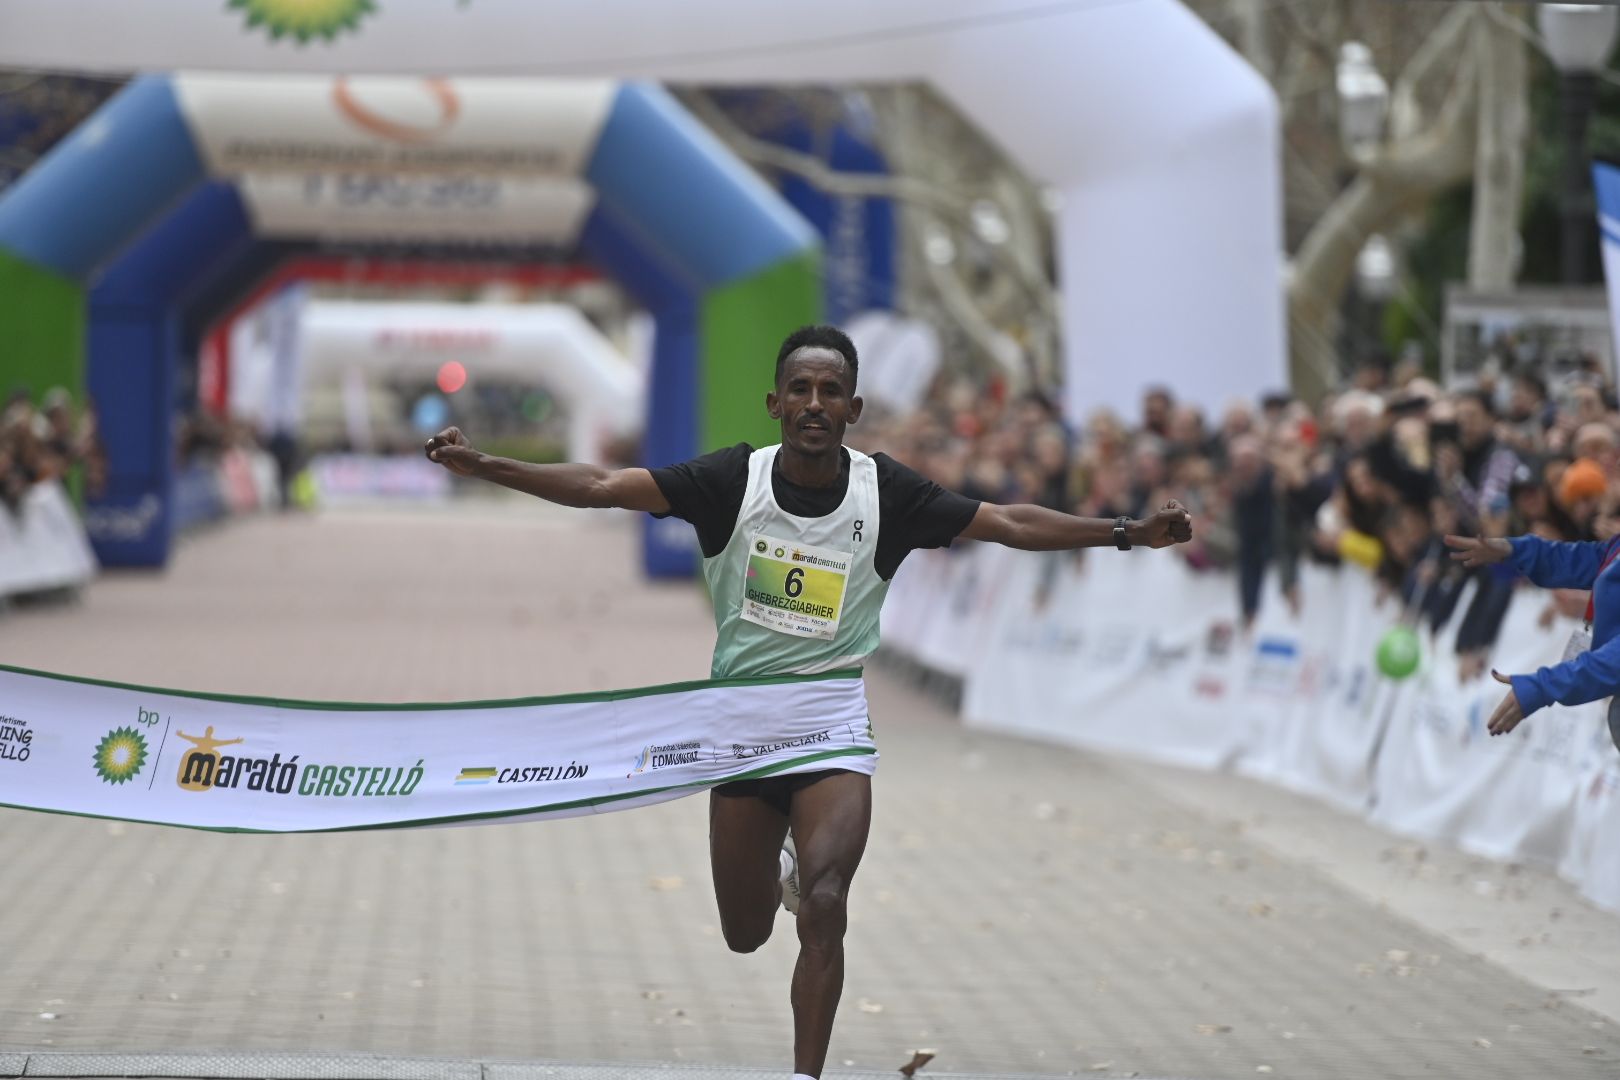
[1474,552]
[1509,712]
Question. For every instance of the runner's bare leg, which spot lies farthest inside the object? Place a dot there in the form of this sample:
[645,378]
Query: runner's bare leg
[831,819]
[745,844]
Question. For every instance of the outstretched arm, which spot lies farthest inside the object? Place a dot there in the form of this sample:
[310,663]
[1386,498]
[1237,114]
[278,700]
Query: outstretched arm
[1591,676]
[569,485]
[1035,528]
[1550,564]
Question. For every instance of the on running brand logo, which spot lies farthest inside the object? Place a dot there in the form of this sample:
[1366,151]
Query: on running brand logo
[859,525]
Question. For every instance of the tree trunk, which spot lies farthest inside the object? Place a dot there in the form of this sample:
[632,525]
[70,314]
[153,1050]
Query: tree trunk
[1504,124]
[1400,178]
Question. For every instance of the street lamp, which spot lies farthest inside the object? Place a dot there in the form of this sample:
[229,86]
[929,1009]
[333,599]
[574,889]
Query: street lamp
[1363,102]
[1578,38]
[1376,269]
[1363,99]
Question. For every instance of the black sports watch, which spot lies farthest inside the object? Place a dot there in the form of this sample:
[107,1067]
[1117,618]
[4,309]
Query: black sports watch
[1120,539]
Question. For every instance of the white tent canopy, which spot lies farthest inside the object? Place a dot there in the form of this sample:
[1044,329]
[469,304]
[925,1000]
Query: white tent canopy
[548,345]
[1161,140]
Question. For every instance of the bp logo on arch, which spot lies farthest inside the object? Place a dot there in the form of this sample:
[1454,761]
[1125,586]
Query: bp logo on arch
[304,20]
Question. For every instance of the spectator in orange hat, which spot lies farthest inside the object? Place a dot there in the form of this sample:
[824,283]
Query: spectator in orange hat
[1580,492]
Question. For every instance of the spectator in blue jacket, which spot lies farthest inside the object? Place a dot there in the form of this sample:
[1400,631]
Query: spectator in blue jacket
[1586,674]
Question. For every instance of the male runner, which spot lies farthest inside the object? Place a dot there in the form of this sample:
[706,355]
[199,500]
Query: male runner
[861,514]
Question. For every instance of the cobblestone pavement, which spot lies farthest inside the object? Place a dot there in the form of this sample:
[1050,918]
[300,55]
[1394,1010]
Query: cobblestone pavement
[1021,909]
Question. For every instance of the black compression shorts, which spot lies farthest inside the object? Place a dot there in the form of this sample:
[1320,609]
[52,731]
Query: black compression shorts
[777,791]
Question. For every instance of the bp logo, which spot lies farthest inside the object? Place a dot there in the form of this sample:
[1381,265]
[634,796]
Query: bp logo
[120,755]
[304,19]
[780,552]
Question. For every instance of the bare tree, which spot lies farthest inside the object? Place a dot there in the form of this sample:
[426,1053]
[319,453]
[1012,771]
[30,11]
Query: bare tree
[975,233]
[1459,110]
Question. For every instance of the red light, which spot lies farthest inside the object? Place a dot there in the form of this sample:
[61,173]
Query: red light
[452,376]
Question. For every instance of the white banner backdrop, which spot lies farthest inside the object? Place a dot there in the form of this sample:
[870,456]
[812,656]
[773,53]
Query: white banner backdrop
[1136,654]
[351,206]
[43,545]
[262,765]
[304,124]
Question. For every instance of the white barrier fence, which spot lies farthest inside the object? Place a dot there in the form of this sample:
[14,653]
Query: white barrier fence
[42,544]
[1137,654]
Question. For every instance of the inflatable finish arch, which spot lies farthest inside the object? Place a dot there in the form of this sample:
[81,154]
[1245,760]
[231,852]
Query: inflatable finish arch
[550,345]
[134,215]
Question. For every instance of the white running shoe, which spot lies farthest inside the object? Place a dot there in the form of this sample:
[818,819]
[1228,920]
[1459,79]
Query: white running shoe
[790,875]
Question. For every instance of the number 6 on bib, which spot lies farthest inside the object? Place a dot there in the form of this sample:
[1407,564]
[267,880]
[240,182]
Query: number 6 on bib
[795,588]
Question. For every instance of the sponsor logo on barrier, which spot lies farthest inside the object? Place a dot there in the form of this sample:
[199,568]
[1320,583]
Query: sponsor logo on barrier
[1046,637]
[16,739]
[204,768]
[531,774]
[542,774]
[1275,666]
[654,757]
[120,755]
[738,750]
[1161,656]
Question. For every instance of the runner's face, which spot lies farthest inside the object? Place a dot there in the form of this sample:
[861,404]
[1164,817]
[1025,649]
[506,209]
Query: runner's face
[814,401]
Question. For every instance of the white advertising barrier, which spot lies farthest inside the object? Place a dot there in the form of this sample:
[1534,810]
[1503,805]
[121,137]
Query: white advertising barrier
[351,478]
[263,765]
[43,545]
[1138,655]
[1326,721]
[1592,857]
[1442,775]
[1124,653]
[248,480]
[939,605]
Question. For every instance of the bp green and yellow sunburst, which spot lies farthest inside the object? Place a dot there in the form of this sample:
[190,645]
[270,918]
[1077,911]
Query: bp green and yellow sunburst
[304,19]
[120,755]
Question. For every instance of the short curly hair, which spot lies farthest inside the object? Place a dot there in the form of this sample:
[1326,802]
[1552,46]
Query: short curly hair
[820,337]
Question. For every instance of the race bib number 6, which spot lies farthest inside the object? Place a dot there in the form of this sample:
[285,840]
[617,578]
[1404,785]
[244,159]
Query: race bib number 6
[794,588]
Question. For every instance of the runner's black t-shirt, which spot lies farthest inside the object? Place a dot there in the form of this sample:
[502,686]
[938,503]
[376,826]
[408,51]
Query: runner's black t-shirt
[914,512]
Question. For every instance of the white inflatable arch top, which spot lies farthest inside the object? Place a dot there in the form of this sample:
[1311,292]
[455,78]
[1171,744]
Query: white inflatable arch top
[1161,140]
[546,345]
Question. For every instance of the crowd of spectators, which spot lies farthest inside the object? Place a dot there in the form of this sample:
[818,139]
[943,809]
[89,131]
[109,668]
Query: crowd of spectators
[1374,476]
[45,443]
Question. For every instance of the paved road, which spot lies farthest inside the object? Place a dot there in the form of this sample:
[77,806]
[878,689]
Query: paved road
[1022,908]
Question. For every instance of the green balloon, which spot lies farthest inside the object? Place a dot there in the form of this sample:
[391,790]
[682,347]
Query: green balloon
[1399,652]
